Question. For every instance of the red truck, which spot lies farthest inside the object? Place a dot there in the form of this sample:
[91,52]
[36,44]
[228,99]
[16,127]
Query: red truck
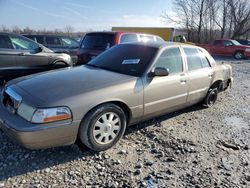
[95,43]
[227,47]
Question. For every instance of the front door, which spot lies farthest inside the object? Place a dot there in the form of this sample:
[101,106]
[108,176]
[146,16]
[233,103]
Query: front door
[29,60]
[7,58]
[167,93]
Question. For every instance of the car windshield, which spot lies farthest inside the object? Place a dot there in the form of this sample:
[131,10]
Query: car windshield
[70,42]
[235,42]
[129,59]
[97,41]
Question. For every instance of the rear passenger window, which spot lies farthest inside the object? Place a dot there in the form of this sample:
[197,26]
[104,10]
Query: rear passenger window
[204,60]
[53,40]
[129,38]
[193,58]
[171,59]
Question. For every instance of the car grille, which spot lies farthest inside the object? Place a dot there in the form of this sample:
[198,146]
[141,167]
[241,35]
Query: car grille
[11,100]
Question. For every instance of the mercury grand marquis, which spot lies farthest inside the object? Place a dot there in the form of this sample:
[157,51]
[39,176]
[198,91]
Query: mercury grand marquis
[94,103]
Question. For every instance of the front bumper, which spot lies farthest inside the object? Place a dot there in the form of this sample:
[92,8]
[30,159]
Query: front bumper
[247,54]
[33,136]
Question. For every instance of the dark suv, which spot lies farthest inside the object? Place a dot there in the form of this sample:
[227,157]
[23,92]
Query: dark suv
[21,56]
[95,43]
[244,42]
[58,44]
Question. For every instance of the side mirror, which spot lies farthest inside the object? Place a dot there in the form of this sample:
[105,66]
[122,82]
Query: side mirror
[159,71]
[37,50]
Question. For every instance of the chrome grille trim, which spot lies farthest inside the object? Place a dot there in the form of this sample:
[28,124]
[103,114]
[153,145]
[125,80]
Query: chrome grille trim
[15,98]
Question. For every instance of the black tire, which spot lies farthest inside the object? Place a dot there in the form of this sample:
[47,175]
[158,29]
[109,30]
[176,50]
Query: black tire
[211,97]
[238,55]
[86,130]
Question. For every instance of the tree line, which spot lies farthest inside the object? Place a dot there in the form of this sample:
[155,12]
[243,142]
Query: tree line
[68,31]
[206,20]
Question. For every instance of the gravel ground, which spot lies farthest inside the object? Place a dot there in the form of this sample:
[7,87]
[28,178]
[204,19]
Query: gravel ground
[194,147]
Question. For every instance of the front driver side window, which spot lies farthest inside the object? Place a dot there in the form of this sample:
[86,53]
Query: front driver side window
[21,43]
[228,43]
[171,60]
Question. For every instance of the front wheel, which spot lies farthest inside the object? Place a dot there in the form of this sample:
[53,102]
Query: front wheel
[238,55]
[211,97]
[103,127]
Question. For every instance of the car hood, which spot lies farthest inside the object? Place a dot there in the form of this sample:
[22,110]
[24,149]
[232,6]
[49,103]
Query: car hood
[58,85]
[242,46]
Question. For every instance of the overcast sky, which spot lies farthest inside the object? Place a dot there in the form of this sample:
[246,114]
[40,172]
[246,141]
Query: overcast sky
[82,15]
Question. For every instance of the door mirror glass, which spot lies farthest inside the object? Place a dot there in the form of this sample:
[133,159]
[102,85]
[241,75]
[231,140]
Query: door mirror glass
[159,71]
[37,50]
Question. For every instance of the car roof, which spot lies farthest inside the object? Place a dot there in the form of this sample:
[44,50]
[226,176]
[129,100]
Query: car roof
[159,44]
[6,33]
[46,35]
[120,32]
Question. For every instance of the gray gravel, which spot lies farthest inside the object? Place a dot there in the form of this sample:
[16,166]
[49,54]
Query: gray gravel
[194,147]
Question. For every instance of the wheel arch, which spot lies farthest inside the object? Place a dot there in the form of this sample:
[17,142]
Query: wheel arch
[217,84]
[59,61]
[119,103]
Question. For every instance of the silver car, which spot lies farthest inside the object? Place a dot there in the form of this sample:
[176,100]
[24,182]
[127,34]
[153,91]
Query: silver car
[20,56]
[95,102]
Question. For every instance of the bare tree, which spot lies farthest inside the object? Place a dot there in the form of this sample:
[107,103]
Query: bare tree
[16,29]
[69,30]
[209,19]
[240,11]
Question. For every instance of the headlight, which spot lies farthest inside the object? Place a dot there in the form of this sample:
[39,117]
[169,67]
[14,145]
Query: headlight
[43,115]
[247,50]
[26,111]
[51,115]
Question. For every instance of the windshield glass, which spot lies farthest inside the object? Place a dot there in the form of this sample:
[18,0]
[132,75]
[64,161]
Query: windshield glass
[97,41]
[235,42]
[70,42]
[129,59]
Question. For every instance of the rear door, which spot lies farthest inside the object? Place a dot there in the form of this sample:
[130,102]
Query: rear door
[167,93]
[7,57]
[200,74]
[28,59]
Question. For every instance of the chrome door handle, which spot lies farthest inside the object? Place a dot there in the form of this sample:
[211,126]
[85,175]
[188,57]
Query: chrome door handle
[183,81]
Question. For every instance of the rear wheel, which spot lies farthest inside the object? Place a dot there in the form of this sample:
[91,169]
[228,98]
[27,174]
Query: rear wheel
[103,127]
[211,97]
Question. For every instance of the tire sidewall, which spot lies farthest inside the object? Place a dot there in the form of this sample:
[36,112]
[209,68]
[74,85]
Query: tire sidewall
[211,92]
[238,52]
[87,126]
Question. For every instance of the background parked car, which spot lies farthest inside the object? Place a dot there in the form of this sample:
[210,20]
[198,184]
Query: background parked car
[58,44]
[244,42]
[95,43]
[21,56]
[227,47]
